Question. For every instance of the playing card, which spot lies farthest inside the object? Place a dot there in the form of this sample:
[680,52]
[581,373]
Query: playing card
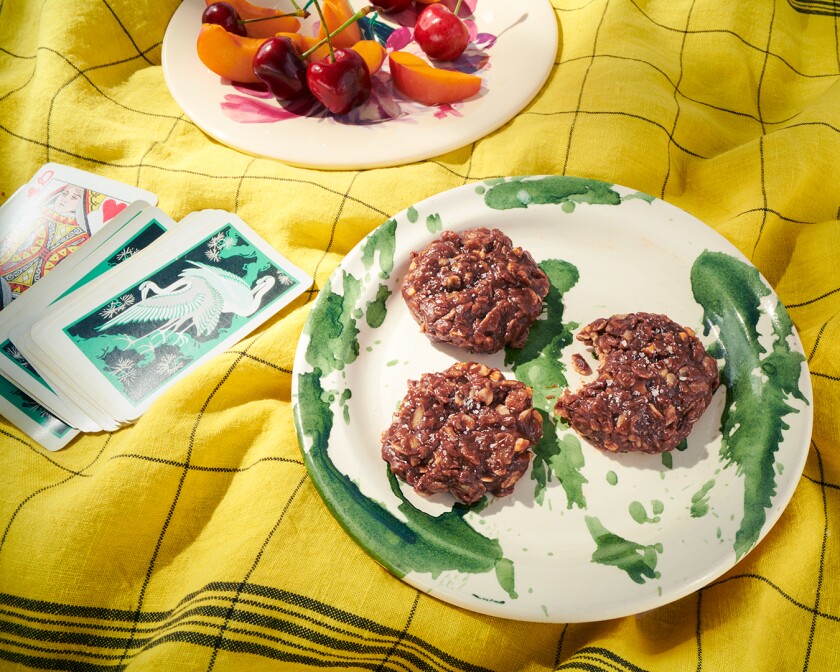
[135,228]
[194,292]
[29,416]
[52,216]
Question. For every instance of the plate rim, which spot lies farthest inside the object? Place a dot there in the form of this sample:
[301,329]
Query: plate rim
[227,137]
[784,491]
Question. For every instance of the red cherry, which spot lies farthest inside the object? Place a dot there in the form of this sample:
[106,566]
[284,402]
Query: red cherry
[279,64]
[391,6]
[225,15]
[441,34]
[342,84]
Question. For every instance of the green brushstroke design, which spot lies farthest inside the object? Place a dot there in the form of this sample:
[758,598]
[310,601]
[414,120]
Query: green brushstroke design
[538,364]
[376,310]
[423,543]
[383,241]
[700,500]
[434,223]
[731,294]
[554,189]
[332,328]
[639,513]
[638,560]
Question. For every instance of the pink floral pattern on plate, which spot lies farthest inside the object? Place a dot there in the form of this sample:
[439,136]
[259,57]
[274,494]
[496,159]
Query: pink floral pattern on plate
[253,104]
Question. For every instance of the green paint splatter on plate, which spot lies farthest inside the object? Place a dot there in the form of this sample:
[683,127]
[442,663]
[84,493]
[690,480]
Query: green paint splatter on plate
[376,310]
[332,328]
[538,365]
[638,560]
[434,223]
[383,240]
[640,515]
[555,189]
[424,543]
[700,500]
[732,293]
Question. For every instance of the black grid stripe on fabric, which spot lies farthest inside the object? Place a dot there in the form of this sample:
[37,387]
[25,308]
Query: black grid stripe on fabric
[777,589]
[763,195]
[682,94]
[823,7]
[312,290]
[220,640]
[801,304]
[587,657]
[199,467]
[698,632]
[128,33]
[761,157]
[817,340]
[155,144]
[822,484]
[83,74]
[45,488]
[821,570]
[558,653]
[723,31]
[760,86]
[580,93]
[262,361]
[174,504]
[399,640]
[239,185]
[617,113]
[465,176]
[288,632]
[775,213]
[673,130]
[827,376]
[40,453]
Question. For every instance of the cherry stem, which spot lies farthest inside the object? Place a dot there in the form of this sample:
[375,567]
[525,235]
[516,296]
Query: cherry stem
[457,7]
[302,13]
[328,39]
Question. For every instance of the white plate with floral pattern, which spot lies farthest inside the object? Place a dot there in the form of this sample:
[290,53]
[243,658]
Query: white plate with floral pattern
[513,49]
[585,535]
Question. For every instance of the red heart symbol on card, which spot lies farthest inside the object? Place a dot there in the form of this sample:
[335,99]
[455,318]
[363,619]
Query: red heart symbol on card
[111,208]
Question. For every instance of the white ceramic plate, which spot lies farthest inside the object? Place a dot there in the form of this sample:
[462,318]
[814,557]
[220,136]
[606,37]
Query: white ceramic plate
[514,68]
[607,535]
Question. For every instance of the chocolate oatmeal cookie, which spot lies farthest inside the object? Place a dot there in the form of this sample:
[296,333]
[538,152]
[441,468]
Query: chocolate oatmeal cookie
[467,430]
[475,290]
[654,381]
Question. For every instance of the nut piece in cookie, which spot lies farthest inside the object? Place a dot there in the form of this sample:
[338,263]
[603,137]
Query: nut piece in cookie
[467,430]
[475,290]
[654,381]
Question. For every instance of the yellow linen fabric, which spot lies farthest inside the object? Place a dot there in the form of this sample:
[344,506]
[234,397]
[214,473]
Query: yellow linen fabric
[195,540]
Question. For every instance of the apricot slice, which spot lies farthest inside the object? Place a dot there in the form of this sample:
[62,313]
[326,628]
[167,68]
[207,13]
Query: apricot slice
[267,28]
[431,86]
[336,12]
[302,42]
[372,52]
[226,54]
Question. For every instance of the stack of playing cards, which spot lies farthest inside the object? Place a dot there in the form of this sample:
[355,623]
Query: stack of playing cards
[137,301]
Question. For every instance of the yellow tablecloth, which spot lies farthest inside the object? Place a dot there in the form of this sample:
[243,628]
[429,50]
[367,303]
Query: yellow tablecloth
[195,540]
